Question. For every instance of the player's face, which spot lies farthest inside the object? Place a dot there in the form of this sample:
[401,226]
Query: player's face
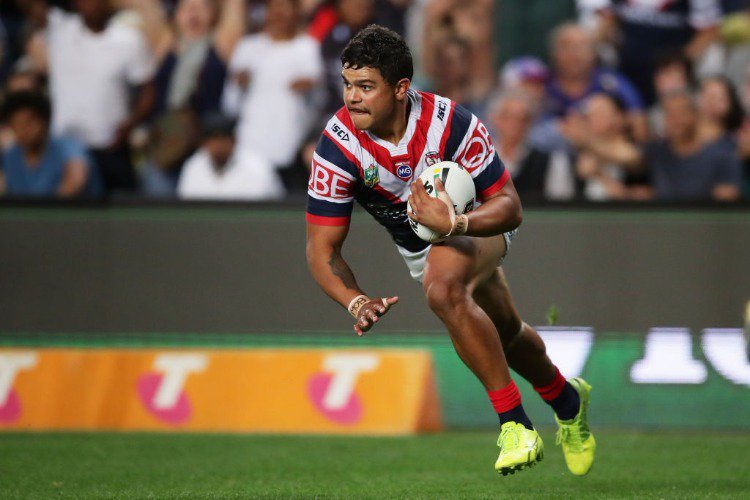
[371,100]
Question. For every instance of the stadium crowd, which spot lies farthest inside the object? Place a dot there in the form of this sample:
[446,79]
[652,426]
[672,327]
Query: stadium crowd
[225,99]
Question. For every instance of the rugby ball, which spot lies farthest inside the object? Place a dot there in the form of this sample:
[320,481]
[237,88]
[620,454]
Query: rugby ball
[459,186]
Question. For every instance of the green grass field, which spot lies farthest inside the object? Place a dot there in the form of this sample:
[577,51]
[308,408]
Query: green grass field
[452,465]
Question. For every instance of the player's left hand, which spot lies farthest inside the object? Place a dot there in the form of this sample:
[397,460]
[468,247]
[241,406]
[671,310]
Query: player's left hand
[371,311]
[429,211]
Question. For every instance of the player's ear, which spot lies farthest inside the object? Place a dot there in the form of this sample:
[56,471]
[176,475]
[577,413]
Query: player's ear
[400,88]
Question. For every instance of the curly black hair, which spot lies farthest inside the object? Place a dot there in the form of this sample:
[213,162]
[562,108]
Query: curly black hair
[382,49]
[34,101]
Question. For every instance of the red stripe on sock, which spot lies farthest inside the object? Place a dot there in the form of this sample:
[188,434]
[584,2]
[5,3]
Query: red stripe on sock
[551,391]
[505,399]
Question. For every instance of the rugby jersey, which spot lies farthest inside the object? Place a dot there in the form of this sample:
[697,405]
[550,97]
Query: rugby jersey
[351,164]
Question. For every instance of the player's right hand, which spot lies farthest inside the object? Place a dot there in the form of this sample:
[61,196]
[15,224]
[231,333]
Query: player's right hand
[371,311]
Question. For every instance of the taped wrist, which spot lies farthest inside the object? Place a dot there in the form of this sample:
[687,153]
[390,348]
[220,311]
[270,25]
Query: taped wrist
[356,304]
[460,225]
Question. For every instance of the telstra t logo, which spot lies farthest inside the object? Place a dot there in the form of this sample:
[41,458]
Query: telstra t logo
[162,391]
[332,391]
[10,365]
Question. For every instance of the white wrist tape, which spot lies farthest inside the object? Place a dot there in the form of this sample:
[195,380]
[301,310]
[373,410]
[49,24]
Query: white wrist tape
[356,304]
[460,226]
[359,301]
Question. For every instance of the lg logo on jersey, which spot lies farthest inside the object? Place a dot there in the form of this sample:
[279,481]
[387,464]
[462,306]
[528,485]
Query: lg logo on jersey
[327,183]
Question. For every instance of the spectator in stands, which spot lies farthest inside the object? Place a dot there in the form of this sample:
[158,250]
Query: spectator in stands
[273,75]
[39,165]
[324,16]
[673,71]
[536,174]
[471,21]
[642,30]
[719,108]
[192,58]
[221,171]
[598,130]
[20,81]
[454,78]
[351,16]
[576,77]
[685,166]
[525,73]
[94,62]
[743,145]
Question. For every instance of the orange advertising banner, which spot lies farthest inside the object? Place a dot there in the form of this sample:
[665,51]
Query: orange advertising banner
[374,391]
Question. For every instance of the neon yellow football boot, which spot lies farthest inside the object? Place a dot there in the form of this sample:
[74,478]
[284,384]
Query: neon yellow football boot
[519,448]
[577,442]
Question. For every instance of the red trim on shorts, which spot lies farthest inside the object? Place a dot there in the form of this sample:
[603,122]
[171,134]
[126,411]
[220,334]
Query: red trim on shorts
[554,388]
[505,399]
[321,220]
[497,186]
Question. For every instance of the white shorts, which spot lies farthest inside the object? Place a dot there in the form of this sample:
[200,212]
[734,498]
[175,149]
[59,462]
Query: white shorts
[415,261]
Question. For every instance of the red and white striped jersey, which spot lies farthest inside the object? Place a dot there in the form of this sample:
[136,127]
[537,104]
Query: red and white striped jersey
[351,164]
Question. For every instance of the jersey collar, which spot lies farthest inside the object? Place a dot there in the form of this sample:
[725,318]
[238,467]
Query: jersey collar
[403,145]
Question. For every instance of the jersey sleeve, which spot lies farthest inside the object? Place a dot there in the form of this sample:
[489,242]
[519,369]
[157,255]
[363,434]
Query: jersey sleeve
[470,146]
[330,190]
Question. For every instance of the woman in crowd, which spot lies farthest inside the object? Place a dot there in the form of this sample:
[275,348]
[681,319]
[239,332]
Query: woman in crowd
[720,109]
[601,126]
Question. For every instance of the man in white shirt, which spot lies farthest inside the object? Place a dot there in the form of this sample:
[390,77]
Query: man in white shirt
[94,63]
[219,171]
[271,76]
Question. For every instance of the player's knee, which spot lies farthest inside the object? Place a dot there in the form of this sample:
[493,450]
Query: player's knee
[445,295]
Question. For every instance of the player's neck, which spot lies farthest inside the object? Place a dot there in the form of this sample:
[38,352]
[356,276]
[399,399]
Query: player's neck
[395,127]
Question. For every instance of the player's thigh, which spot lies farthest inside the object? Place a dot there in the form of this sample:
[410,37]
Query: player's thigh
[462,262]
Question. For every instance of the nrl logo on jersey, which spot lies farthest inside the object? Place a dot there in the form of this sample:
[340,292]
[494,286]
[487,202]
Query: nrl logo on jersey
[371,176]
[431,158]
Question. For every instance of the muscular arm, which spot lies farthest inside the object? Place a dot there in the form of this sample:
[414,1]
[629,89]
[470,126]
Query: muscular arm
[499,214]
[327,266]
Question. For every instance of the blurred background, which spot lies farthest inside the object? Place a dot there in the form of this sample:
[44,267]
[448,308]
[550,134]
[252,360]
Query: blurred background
[154,167]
